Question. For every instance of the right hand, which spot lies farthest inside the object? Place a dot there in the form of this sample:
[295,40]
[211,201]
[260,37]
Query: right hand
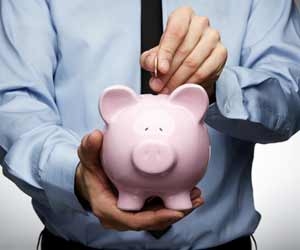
[93,186]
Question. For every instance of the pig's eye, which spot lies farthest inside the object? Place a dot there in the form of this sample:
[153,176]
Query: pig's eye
[146,129]
[160,129]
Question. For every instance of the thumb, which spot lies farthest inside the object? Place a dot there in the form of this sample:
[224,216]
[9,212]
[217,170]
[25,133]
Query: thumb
[89,149]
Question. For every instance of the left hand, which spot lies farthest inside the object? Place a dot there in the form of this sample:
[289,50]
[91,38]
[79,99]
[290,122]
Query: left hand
[190,50]
[92,186]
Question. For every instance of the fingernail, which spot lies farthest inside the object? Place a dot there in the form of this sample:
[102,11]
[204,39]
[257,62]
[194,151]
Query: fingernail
[178,215]
[163,66]
[165,91]
[198,203]
[156,84]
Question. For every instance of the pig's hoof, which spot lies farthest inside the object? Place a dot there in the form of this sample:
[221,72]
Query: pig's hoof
[179,201]
[130,202]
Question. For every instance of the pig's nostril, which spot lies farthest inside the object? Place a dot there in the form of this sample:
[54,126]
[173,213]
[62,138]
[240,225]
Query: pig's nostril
[146,129]
[161,129]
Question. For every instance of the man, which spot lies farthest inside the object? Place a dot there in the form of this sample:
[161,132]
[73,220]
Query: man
[56,57]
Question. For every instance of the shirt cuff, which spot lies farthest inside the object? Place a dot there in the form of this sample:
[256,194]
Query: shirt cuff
[58,179]
[241,114]
[229,98]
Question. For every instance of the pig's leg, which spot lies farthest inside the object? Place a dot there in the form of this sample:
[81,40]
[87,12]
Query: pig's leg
[128,201]
[179,201]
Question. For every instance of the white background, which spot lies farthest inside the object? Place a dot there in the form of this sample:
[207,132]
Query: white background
[276,181]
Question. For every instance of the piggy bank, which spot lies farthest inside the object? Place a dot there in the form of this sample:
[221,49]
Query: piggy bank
[154,145]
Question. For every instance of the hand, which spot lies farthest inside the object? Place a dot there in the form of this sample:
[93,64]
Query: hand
[93,186]
[190,50]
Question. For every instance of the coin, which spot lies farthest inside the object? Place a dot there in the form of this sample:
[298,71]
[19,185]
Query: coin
[155,66]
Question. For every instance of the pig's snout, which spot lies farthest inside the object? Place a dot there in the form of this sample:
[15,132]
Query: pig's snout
[153,157]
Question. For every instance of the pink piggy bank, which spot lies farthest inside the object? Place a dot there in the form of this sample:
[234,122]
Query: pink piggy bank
[154,145]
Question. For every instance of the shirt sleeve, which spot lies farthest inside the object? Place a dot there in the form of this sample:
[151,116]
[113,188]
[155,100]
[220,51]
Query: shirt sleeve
[259,100]
[37,153]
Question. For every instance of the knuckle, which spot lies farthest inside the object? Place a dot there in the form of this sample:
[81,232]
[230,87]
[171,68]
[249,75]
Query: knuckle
[177,32]
[172,18]
[203,20]
[182,51]
[148,61]
[172,84]
[223,52]
[199,75]
[167,51]
[187,10]
[143,59]
[191,63]
[215,34]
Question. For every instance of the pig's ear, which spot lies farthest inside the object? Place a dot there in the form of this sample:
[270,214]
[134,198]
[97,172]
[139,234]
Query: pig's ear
[192,97]
[115,98]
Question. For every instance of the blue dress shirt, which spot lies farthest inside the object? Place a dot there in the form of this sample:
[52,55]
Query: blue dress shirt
[56,57]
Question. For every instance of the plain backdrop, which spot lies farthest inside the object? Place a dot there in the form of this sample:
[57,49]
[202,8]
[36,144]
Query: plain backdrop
[276,183]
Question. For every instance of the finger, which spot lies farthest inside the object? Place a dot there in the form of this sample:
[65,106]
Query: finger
[144,56]
[164,224]
[149,219]
[176,30]
[150,61]
[195,203]
[190,65]
[195,193]
[96,187]
[156,84]
[197,27]
[211,68]
[89,154]
[147,59]
[89,149]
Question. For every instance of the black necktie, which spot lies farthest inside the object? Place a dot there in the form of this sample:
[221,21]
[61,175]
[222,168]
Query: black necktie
[151,31]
